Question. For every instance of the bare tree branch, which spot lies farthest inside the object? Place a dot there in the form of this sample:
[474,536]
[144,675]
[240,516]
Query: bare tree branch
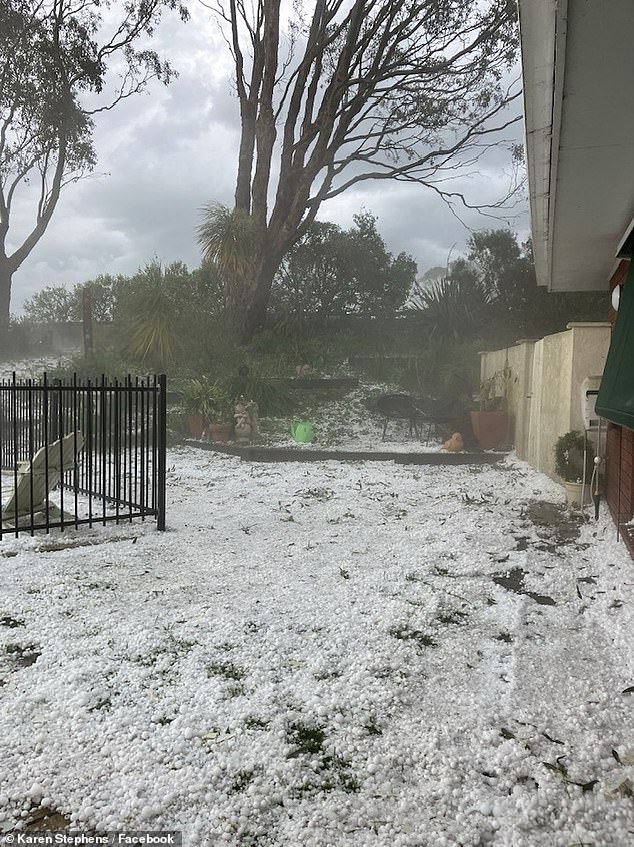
[407,90]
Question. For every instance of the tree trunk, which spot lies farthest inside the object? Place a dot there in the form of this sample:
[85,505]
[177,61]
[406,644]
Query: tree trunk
[247,300]
[5,300]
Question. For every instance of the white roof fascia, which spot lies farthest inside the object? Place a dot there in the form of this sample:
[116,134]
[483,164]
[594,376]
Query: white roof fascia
[538,27]
[559,71]
[626,235]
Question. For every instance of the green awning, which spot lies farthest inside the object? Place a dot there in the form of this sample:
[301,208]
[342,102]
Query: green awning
[615,400]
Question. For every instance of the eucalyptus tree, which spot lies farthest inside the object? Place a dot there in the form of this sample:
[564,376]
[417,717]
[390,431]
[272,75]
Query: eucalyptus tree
[348,91]
[55,62]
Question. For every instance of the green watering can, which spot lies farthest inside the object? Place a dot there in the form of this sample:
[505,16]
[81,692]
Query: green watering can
[302,431]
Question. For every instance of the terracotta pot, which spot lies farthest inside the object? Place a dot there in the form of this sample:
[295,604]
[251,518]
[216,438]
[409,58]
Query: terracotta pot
[196,425]
[490,429]
[219,431]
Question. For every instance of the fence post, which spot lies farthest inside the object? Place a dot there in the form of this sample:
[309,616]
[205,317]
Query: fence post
[162,447]
[86,308]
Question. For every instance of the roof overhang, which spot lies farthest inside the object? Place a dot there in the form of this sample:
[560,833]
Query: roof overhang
[577,64]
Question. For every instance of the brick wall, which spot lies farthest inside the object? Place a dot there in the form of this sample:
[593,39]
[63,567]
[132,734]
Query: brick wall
[620,452]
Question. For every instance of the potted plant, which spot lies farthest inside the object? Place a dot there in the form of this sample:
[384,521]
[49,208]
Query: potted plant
[571,450]
[208,409]
[490,422]
[219,414]
[197,402]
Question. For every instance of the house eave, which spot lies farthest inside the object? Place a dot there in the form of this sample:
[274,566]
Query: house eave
[579,136]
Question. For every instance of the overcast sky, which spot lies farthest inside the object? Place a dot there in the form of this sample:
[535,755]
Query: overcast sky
[166,154]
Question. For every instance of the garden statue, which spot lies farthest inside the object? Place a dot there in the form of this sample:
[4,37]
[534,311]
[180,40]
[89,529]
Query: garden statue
[245,420]
[304,371]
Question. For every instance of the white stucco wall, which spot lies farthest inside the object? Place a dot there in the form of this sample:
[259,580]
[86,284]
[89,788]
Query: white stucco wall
[545,386]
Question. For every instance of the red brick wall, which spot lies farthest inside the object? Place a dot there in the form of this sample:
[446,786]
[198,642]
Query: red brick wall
[620,451]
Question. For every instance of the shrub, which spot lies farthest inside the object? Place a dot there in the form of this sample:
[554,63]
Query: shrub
[272,396]
[569,455]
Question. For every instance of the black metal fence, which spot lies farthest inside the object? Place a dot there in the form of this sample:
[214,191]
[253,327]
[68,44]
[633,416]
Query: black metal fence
[76,452]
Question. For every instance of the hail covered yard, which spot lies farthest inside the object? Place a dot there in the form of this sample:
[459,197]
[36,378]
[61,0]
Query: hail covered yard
[325,654]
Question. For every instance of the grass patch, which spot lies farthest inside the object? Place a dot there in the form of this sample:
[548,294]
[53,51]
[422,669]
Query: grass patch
[422,639]
[24,656]
[322,676]
[320,494]
[226,670]
[452,617]
[306,739]
[105,704]
[338,776]
[332,771]
[256,723]
[10,622]
[145,661]
[413,577]
[242,780]
[372,727]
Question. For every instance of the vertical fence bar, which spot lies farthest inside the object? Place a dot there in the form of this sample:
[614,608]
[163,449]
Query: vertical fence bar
[61,432]
[14,392]
[153,446]
[76,452]
[125,434]
[115,463]
[141,498]
[136,440]
[45,411]
[109,431]
[104,452]
[4,426]
[142,452]
[24,433]
[146,452]
[162,452]
[31,441]
[129,468]
[89,448]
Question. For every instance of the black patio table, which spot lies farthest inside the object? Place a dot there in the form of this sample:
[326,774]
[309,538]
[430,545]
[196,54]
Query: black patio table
[418,411]
[399,407]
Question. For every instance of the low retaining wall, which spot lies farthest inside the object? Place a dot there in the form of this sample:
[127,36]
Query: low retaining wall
[291,454]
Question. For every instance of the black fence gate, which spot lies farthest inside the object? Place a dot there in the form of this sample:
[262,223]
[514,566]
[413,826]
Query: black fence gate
[76,452]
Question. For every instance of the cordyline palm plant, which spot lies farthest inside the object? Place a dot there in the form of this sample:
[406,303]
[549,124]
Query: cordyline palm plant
[229,240]
[153,338]
[153,333]
[452,308]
